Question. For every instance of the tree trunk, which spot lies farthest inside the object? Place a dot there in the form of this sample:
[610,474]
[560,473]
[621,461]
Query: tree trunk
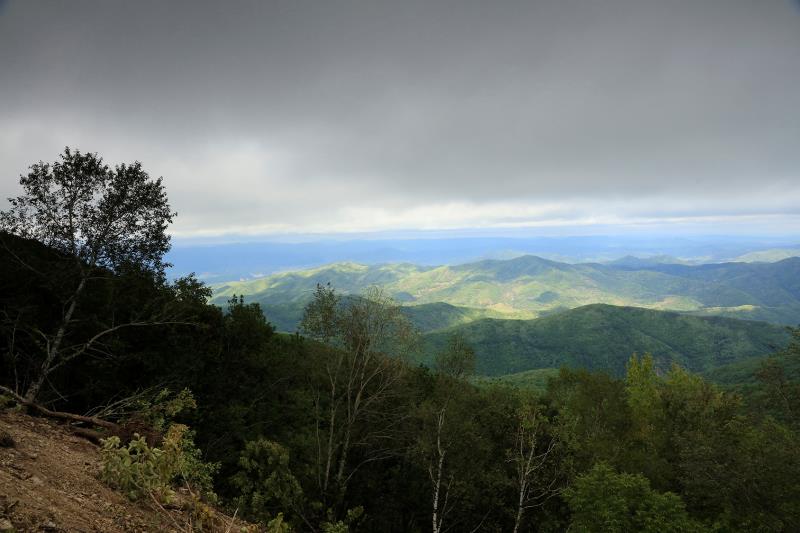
[437,482]
[343,459]
[520,509]
[436,488]
[54,349]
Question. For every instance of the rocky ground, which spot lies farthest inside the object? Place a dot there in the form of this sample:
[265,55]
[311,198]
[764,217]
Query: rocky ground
[49,483]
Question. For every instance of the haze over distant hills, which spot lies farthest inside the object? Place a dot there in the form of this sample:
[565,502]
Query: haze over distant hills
[219,262]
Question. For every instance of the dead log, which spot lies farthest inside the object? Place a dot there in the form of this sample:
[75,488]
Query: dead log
[60,415]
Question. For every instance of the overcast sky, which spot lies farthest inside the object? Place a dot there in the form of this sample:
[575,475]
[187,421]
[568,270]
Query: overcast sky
[328,116]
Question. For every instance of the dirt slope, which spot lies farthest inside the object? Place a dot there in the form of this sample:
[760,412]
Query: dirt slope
[49,482]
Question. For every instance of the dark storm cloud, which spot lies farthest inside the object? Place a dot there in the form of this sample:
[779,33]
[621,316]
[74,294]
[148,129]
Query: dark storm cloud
[334,116]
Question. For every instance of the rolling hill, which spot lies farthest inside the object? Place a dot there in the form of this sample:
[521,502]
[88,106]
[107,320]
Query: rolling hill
[769,256]
[286,317]
[603,337]
[528,286]
[535,379]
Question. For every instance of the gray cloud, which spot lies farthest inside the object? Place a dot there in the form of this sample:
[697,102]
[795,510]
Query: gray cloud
[295,116]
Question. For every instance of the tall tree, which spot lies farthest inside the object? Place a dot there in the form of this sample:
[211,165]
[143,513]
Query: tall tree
[100,221]
[604,501]
[360,378]
[452,365]
[537,478]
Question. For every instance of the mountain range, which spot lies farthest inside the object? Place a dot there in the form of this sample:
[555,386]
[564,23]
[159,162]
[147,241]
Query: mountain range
[527,316]
[528,287]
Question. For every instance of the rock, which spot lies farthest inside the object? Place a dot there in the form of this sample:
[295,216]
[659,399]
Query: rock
[6,526]
[19,473]
[6,440]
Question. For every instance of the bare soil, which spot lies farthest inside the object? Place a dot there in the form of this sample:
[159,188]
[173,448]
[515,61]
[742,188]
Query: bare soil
[49,482]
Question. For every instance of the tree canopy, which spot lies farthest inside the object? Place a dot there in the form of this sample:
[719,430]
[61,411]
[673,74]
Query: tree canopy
[95,221]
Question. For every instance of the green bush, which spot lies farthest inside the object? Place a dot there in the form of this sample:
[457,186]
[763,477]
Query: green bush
[160,409]
[343,526]
[604,501]
[137,469]
[265,482]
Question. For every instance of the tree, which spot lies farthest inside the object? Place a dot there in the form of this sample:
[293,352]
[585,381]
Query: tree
[452,365]
[594,420]
[778,376]
[604,501]
[360,378]
[649,449]
[265,482]
[457,361]
[100,221]
[533,456]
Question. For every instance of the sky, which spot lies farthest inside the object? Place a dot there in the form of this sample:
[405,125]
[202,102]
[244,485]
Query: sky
[276,118]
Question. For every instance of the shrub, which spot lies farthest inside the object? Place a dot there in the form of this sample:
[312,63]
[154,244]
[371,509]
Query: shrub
[604,501]
[160,410]
[138,469]
[265,481]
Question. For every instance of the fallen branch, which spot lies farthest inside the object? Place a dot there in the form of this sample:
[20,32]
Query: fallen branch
[59,414]
[90,434]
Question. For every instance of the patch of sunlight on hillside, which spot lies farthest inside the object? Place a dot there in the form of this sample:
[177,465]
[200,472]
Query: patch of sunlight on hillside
[676,303]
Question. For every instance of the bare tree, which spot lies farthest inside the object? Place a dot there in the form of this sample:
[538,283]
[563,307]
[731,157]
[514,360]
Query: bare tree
[98,221]
[452,365]
[531,456]
[361,376]
[436,471]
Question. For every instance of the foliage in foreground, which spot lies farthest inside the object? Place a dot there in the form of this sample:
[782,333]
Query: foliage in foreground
[139,470]
[707,457]
[602,500]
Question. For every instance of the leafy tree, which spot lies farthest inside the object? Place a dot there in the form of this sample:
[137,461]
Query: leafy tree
[457,361]
[533,456]
[452,365]
[99,220]
[265,482]
[649,449]
[320,320]
[361,378]
[781,387]
[593,417]
[603,501]
[736,473]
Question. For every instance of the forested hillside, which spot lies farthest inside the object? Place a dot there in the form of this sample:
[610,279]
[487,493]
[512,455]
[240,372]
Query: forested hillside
[529,286]
[602,337]
[286,317]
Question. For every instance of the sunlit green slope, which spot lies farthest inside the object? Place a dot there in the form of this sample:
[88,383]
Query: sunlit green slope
[529,286]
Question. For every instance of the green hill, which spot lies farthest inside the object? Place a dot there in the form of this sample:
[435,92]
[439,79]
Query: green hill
[742,374]
[769,256]
[603,337]
[535,379]
[440,315]
[529,287]
[425,317]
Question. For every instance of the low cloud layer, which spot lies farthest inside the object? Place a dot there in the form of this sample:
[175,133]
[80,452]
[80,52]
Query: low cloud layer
[300,117]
